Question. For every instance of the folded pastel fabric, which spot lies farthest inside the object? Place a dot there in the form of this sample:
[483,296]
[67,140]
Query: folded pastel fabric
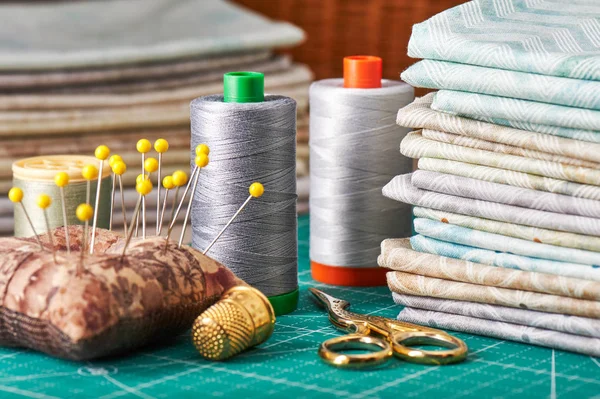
[555,38]
[419,114]
[545,236]
[414,145]
[502,330]
[477,105]
[509,177]
[550,321]
[433,74]
[466,141]
[505,194]
[397,254]
[401,189]
[482,256]
[411,284]
[576,134]
[171,29]
[497,242]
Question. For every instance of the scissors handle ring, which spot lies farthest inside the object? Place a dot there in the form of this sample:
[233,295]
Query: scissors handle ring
[401,342]
[379,349]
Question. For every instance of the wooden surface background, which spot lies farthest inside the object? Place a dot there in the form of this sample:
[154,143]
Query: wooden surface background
[338,28]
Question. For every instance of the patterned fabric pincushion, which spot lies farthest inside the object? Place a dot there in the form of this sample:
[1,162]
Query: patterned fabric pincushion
[115,305]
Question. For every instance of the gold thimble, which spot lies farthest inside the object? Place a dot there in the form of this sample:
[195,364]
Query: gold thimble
[241,319]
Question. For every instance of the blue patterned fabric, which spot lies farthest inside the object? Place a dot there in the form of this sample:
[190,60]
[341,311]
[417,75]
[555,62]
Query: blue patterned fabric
[473,105]
[498,82]
[548,37]
[429,245]
[500,243]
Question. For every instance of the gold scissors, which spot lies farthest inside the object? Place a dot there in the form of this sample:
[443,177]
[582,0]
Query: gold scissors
[390,337]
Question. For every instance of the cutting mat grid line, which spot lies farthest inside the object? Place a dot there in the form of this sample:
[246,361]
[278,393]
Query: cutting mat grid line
[287,366]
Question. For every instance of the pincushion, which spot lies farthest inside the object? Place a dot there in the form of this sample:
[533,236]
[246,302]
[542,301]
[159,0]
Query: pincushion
[115,305]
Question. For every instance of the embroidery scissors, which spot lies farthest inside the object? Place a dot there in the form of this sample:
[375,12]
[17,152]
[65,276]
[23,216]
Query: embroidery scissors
[382,338]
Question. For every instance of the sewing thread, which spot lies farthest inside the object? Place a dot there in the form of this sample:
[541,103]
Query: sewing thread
[249,142]
[35,176]
[354,152]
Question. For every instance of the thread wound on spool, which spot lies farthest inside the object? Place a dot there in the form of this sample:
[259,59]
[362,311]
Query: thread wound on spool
[249,142]
[36,175]
[354,152]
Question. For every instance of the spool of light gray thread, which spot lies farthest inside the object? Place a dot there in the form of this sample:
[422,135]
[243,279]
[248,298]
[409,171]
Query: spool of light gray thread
[354,152]
[248,142]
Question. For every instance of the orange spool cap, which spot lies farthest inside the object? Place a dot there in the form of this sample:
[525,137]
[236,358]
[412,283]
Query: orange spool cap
[362,72]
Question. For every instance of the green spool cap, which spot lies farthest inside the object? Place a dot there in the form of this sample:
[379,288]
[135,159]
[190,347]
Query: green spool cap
[243,87]
[285,303]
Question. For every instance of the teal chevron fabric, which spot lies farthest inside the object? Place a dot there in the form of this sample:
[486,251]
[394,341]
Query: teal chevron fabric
[429,245]
[548,37]
[433,74]
[473,105]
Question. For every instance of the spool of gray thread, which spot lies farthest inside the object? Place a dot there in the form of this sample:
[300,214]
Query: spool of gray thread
[248,142]
[354,152]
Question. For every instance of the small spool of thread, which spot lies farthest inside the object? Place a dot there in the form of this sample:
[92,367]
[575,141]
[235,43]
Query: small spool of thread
[354,152]
[35,176]
[252,138]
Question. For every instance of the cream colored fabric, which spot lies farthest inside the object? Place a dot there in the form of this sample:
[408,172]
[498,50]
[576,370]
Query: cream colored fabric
[510,177]
[411,284]
[396,254]
[415,145]
[466,141]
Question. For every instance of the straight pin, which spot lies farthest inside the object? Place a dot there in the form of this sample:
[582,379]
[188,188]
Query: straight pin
[84,213]
[111,162]
[15,195]
[102,152]
[143,146]
[256,190]
[119,168]
[150,166]
[168,184]
[61,180]
[160,146]
[44,201]
[143,188]
[201,161]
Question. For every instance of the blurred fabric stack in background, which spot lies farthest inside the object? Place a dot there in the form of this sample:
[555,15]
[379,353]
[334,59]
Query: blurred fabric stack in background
[507,195]
[114,72]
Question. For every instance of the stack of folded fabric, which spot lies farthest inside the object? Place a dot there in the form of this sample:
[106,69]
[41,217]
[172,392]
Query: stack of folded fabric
[507,195]
[74,75]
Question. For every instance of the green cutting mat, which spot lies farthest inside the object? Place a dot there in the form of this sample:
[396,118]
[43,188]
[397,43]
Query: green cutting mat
[287,365]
